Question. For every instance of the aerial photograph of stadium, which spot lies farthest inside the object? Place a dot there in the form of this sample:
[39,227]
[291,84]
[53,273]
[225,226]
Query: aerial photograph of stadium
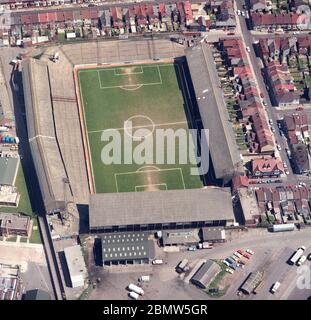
[155,151]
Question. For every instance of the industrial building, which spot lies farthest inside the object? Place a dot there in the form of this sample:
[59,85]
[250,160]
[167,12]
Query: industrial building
[214,234]
[252,282]
[160,210]
[10,282]
[207,272]
[126,248]
[223,149]
[76,265]
[175,238]
[13,224]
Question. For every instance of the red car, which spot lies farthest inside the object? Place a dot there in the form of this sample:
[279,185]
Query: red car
[240,252]
[246,255]
[261,95]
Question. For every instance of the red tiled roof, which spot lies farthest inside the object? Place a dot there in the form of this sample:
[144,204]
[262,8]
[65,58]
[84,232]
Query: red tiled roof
[267,165]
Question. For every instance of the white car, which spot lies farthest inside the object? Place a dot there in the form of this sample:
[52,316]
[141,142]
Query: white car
[287,172]
[248,49]
[285,165]
[250,251]
[279,147]
[243,13]
[301,260]
[239,12]
[237,254]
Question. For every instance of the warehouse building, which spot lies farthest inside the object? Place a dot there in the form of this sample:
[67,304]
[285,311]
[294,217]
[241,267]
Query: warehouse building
[76,265]
[160,210]
[252,282]
[207,272]
[175,238]
[208,95]
[10,282]
[214,234]
[126,248]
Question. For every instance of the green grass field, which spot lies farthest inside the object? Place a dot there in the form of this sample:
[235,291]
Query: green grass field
[150,97]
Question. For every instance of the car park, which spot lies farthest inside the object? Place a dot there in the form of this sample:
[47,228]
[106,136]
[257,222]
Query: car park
[237,254]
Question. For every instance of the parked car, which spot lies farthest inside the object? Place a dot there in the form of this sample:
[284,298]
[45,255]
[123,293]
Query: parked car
[278,147]
[248,49]
[229,270]
[309,257]
[250,251]
[192,248]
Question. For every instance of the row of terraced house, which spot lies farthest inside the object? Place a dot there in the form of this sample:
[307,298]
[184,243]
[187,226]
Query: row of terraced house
[29,27]
[252,116]
[283,15]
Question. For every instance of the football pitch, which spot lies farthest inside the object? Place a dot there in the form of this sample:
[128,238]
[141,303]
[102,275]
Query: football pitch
[147,97]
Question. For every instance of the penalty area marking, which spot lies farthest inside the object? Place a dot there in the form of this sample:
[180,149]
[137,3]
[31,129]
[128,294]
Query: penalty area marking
[160,82]
[146,186]
[148,171]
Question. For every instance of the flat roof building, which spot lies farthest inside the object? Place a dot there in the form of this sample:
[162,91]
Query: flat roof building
[76,265]
[13,224]
[126,248]
[10,282]
[8,170]
[186,237]
[214,234]
[160,210]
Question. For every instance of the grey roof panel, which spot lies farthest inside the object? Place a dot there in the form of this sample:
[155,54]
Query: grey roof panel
[128,208]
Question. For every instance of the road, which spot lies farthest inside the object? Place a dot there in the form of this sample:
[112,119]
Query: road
[271,111]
